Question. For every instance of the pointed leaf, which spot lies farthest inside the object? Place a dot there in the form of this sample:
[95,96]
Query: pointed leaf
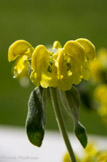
[71,100]
[36,117]
[80,133]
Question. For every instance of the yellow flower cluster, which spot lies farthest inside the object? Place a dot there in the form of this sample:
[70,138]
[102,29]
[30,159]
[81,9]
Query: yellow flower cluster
[91,154]
[98,67]
[100,95]
[55,67]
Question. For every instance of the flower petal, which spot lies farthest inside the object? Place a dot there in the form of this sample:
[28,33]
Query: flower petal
[19,48]
[89,48]
[56,44]
[73,48]
[44,73]
[22,67]
[68,72]
[40,57]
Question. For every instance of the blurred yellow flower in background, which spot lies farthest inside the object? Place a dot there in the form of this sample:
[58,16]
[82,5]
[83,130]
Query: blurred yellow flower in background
[91,154]
[98,67]
[91,149]
[102,157]
[100,95]
[66,158]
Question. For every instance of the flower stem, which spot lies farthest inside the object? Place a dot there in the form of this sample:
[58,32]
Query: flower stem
[55,103]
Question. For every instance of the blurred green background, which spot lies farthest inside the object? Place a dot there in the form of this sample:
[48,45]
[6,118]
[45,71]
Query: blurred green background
[42,22]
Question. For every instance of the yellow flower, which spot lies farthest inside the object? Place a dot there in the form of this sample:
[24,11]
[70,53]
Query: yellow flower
[62,67]
[22,51]
[89,158]
[56,67]
[100,96]
[90,149]
[66,158]
[91,154]
[43,66]
[98,67]
[102,157]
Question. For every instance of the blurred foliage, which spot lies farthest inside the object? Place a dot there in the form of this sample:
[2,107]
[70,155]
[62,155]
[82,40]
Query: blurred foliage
[94,92]
[42,22]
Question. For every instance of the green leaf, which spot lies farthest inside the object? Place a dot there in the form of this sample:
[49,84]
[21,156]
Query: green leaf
[70,100]
[35,122]
[80,133]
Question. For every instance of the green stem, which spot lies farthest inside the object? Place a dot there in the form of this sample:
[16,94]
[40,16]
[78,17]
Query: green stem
[53,92]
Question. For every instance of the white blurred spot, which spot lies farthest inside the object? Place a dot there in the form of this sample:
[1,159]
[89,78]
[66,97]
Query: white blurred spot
[24,82]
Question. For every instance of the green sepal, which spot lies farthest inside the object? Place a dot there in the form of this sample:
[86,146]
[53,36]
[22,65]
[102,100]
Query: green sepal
[80,133]
[70,100]
[36,120]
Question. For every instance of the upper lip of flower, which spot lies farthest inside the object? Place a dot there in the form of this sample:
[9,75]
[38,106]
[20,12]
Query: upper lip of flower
[19,48]
[22,51]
